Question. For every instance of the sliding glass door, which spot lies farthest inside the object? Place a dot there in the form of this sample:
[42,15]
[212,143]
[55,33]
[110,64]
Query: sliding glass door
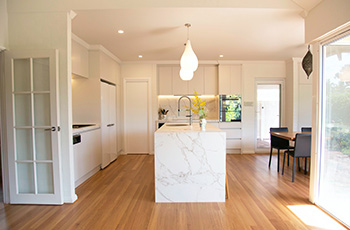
[334,170]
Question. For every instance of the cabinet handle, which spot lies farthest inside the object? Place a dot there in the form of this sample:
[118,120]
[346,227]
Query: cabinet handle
[110,125]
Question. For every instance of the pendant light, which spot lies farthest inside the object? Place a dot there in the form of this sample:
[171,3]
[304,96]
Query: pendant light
[189,60]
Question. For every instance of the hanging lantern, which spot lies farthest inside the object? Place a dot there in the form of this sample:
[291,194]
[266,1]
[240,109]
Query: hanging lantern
[307,62]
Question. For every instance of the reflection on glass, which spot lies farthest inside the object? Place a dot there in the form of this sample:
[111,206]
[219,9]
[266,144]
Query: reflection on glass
[42,109]
[24,147]
[43,144]
[23,116]
[41,74]
[21,75]
[45,180]
[230,108]
[334,186]
[25,176]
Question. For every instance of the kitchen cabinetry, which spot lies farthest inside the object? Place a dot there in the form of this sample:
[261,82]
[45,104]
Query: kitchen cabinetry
[204,81]
[165,80]
[233,136]
[80,60]
[87,155]
[108,123]
[230,79]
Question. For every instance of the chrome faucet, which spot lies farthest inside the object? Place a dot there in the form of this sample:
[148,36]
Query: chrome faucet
[179,110]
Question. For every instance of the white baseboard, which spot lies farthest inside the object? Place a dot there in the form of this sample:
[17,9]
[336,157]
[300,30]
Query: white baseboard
[87,176]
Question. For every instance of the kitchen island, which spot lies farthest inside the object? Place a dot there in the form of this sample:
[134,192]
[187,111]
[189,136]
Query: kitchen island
[190,164]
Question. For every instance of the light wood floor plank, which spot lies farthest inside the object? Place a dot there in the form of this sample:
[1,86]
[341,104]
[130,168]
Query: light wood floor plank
[122,197]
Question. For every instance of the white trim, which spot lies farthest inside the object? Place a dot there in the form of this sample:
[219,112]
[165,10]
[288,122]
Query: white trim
[87,176]
[149,110]
[80,41]
[316,107]
[105,51]
[3,134]
[281,82]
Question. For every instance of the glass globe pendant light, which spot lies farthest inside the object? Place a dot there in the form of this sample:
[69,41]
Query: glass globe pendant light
[189,60]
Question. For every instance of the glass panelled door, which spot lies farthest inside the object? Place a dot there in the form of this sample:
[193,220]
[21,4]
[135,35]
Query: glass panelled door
[334,170]
[33,127]
[268,109]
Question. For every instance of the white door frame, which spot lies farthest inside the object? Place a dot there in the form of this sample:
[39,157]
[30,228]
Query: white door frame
[149,118]
[268,81]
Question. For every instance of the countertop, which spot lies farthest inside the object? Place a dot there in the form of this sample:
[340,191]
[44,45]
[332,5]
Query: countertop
[183,120]
[188,129]
[86,129]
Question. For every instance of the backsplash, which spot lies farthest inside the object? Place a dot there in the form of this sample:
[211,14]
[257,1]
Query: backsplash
[170,103]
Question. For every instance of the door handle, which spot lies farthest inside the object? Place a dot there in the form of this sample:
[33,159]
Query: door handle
[53,129]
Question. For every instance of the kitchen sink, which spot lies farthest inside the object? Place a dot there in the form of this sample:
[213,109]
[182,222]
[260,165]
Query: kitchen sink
[176,124]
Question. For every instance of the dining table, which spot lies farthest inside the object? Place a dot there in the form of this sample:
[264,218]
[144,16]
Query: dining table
[287,135]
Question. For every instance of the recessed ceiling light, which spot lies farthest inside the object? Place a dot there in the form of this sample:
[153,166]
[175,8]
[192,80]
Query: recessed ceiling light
[221,55]
[140,56]
[120,31]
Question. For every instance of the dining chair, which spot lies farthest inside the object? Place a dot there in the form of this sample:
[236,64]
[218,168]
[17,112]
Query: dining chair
[306,129]
[279,144]
[302,148]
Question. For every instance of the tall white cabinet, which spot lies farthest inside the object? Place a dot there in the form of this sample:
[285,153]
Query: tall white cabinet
[108,123]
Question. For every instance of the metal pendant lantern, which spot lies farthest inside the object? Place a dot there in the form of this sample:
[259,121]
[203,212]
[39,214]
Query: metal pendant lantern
[307,62]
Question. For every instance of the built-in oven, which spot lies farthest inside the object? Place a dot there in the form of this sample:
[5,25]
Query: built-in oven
[230,108]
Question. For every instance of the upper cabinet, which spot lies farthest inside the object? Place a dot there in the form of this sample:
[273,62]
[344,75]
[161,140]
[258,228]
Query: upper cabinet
[230,79]
[204,81]
[80,60]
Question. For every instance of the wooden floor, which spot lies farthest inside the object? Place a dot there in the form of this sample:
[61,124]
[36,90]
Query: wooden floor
[122,197]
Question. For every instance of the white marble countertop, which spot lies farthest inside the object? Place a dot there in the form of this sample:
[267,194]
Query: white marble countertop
[167,128]
[183,120]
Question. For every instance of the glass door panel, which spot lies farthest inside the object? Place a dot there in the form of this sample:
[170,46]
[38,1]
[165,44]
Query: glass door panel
[23,112]
[41,71]
[42,109]
[25,178]
[24,144]
[21,74]
[334,180]
[43,144]
[267,112]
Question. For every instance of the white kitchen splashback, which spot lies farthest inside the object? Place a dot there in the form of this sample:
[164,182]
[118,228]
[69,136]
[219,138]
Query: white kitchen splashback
[170,103]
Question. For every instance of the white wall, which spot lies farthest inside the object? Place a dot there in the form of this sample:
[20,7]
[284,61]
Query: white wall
[35,31]
[3,25]
[252,71]
[325,17]
[140,70]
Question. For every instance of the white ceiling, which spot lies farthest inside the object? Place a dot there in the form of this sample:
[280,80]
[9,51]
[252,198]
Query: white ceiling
[159,33]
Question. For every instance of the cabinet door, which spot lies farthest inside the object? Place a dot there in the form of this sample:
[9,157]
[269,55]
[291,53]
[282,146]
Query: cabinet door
[236,79]
[104,124]
[211,80]
[80,60]
[112,131]
[224,79]
[197,82]
[165,80]
[180,87]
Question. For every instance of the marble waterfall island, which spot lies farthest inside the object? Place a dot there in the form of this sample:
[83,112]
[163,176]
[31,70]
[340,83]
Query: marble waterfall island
[190,164]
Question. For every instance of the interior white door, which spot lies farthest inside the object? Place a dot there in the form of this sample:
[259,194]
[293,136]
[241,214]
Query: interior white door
[33,127]
[136,104]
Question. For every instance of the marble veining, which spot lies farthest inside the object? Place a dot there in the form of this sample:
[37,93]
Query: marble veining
[190,164]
